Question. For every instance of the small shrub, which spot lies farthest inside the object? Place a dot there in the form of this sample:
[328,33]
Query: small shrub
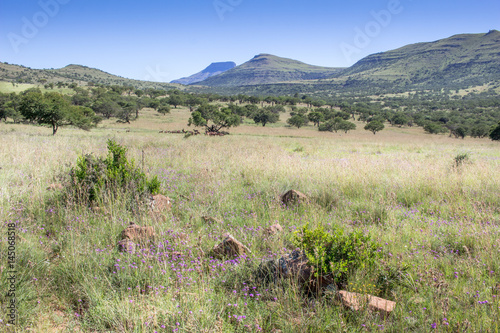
[99,179]
[389,277]
[327,198]
[339,254]
[462,159]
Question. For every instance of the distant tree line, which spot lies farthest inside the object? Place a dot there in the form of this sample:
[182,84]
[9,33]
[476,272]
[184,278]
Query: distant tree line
[474,115]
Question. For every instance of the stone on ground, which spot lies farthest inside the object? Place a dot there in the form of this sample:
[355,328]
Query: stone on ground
[294,197]
[230,247]
[357,302]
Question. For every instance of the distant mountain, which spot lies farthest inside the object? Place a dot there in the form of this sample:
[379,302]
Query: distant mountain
[214,69]
[69,74]
[460,61]
[457,62]
[465,58]
[267,68]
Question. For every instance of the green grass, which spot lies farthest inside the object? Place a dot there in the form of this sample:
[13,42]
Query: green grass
[8,87]
[438,226]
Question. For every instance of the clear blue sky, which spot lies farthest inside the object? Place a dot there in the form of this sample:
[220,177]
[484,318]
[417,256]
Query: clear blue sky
[162,40]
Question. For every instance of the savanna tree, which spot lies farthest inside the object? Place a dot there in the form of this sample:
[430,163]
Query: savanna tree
[495,134]
[298,120]
[374,126]
[265,115]
[52,109]
[214,118]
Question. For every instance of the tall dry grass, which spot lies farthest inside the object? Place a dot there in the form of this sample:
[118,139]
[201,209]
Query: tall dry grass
[438,223]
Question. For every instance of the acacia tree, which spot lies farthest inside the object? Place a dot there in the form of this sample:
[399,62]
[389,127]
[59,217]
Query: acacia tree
[175,100]
[265,116]
[106,106]
[214,118]
[374,126]
[4,99]
[399,119]
[346,126]
[164,109]
[495,134]
[316,117]
[298,120]
[337,124]
[128,107]
[54,110]
[49,109]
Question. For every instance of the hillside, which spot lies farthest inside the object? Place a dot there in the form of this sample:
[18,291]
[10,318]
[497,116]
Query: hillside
[267,68]
[71,74]
[458,62]
[215,68]
[460,59]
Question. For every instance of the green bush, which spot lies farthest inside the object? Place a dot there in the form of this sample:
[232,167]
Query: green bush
[338,253]
[101,179]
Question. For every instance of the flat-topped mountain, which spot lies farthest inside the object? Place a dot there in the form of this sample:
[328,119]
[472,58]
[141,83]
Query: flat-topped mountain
[214,69]
[267,68]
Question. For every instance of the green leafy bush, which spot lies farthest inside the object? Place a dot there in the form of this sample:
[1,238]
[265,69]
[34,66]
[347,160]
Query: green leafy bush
[338,253]
[103,178]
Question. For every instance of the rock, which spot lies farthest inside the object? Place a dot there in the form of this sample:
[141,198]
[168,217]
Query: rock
[99,210]
[54,187]
[294,197]
[135,235]
[274,229]
[294,266]
[182,236]
[126,245]
[230,247]
[357,301]
[209,219]
[161,203]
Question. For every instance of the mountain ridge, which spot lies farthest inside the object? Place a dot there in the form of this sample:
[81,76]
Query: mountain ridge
[214,68]
[73,73]
[439,60]
[459,61]
[266,68]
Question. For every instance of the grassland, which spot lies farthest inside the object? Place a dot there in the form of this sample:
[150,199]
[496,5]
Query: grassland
[437,222]
[8,87]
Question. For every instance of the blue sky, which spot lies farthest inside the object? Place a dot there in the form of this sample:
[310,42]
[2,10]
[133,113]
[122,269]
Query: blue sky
[168,39]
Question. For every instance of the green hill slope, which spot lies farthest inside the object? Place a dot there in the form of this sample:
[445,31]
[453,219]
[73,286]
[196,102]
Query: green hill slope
[458,62]
[71,74]
[266,68]
[465,58]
